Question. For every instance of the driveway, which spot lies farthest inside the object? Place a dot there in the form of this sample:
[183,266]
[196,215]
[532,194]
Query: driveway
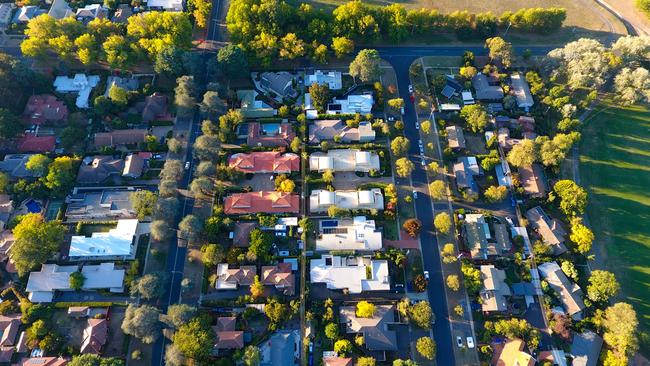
[350,180]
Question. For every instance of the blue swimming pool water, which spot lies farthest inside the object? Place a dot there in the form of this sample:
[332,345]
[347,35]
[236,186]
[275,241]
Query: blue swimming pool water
[271,128]
[329,223]
[33,206]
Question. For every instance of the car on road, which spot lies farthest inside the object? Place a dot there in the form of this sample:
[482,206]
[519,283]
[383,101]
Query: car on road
[459,341]
[426,275]
[402,110]
[420,143]
[470,342]
[187,165]
[391,118]
[412,98]
[424,163]
[417,125]
[410,88]
[415,194]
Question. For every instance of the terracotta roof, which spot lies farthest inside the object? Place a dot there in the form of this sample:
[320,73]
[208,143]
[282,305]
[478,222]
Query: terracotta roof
[337,361]
[265,162]
[41,144]
[44,108]
[256,135]
[263,201]
[6,353]
[44,361]
[279,276]
[243,275]
[120,137]
[95,336]
[227,336]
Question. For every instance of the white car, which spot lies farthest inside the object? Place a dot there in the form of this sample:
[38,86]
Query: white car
[417,125]
[420,143]
[410,88]
[426,275]
[187,165]
[415,194]
[459,342]
[424,163]
[470,342]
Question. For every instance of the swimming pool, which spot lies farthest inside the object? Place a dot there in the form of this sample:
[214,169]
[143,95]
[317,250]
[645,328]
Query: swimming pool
[33,206]
[271,128]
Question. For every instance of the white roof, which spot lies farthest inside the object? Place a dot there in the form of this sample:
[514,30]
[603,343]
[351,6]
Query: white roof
[356,103]
[358,233]
[42,285]
[467,96]
[331,78]
[116,242]
[326,197]
[320,200]
[222,271]
[81,84]
[365,198]
[344,160]
[176,5]
[522,91]
[350,272]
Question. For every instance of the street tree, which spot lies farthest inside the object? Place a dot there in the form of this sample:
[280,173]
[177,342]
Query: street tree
[202,187]
[602,286]
[149,286]
[174,145]
[233,61]
[174,356]
[420,314]
[500,50]
[426,347]
[211,103]
[365,66]
[159,230]
[342,46]
[179,314]
[400,146]
[573,198]
[582,236]
[184,95]
[412,227]
[190,227]
[142,323]
[453,282]
[448,253]
[195,339]
[396,103]
[404,167]
[425,126]
[585,63]
[143,203]
[207,148]
[172,170]
[442,222]
[437,190]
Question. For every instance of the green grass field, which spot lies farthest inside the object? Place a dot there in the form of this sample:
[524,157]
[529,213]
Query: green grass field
[615,167]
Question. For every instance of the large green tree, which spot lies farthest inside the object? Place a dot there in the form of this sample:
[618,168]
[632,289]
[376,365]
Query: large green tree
[573,198]
[365,66]
[195,339]
[36,241]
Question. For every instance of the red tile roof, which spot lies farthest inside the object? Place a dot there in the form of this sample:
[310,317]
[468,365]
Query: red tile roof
[256,135]
[44,108]
[44,361]
[265,162]
[263,201]
[227,336]
[120,137]
[337,361]
[279,276]
[95,336]
[39,144]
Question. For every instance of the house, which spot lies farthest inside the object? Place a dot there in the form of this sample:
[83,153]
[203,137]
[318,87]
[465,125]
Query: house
[166,5]
[9,325]
[344,160]
[31,143]
[476,233]
[332,79]
[281,349]
[521,90]
[334,360]
[154,108]
[269,134]
[97,169]
[468,98]
[503,242]
[60,9]
[355,274]
[133,166]
[503,173]
[128,84]
[527,124]
[6,9]
[14,166]
[533,181]
[44,108]
[118,243]
[6,209]
[51,278]
[90,12]
[487,88]
[261,202]
[242,233]
[357,233]
[27,13]
[258,162]
[329,130]
[548,228]
[90,204]
[507,143]
[377,334]
[80,84]
[44,361]
[227,336]
[280,83]
[455,137]
[353,103]
[320,200]
[252,107]
[495,291]
[465,168]
[232,278]
[585,349]
[95,336]
[122,14]
[281,277]
[512,354]
[87,312]
[119,138]
[570,294]
[7,241]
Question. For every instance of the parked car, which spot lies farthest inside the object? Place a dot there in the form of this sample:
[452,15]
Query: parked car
[410,88]
[415,194]
[426,275]
[417,125]
[459,341]
[187,165]
[470,342]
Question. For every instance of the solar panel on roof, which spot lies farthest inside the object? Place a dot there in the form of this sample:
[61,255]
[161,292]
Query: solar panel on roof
[448,91]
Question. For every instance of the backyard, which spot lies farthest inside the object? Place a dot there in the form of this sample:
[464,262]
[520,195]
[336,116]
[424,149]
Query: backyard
[615,151]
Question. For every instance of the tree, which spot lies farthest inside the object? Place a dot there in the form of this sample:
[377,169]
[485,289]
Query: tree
[201,11]
[149,286]
[366,66]
[95,360]
[252,356]
[174,356]
[206,148]
[399,362]
[179,314]
[118,95]
[202,187]
[77,280]
[257,288]
[468,72]
[412,227]
[342,347]
[552,152]
[35,242]
[260,244]
[166,208]
[437,189]
[518,328]
[211,103]
[143,203]
[174,145]
[284,185]
[291,47]
[366,361]
[319,53]
[10,125]
[396,103]
[426,348]
[573,198]
[442,222]
[523,154]
[169,61]
[320,96]
[581,236]
[621,325]
[632,86]
[328,176]
[212,254]
[365,309]
[421,315]
[332,331]
[184,95]
[195,339]
[453,282]
[400,146]
[632,48]
[190,227]
[570,270]
[277,312]
[448,253]
[342,46]
[585,62]
[117,50]
[172,169]
[494,194]
[159,230]
[472,278]
[476,117]
[142,322]
[233,61]
[500,49]
[602,286]
[38,164]
[61,175]
[404,167]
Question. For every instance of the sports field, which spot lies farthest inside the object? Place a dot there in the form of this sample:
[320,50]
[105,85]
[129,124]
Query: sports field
[615,167]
